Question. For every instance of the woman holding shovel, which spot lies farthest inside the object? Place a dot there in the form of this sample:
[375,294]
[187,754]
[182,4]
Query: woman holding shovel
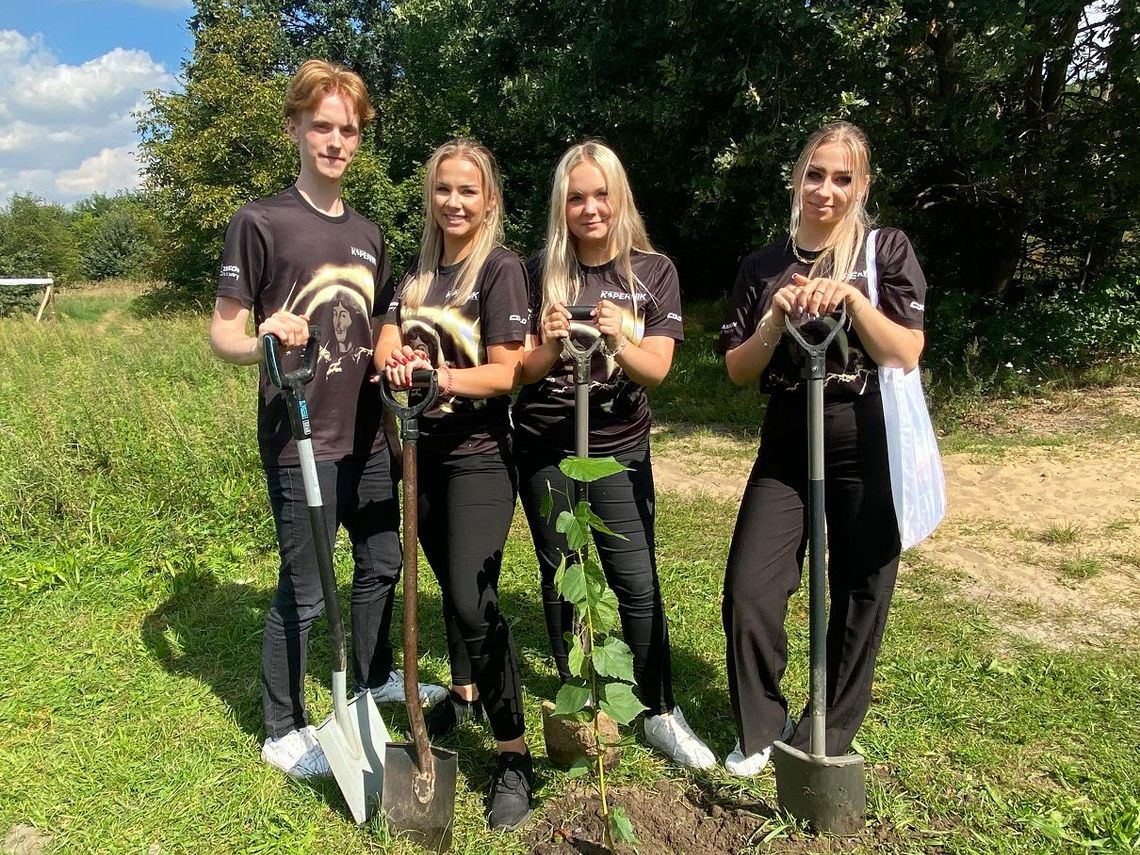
[822,267]
[461,310]
[597,253]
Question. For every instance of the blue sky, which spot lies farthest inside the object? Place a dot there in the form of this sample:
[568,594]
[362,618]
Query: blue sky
[71,74]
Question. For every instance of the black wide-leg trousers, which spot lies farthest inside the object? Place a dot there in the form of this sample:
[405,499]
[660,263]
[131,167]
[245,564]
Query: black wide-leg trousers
[766,559]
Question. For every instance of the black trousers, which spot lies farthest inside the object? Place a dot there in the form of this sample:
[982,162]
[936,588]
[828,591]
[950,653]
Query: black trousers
[625,502]
[359,494]
[465,510]
[766,559]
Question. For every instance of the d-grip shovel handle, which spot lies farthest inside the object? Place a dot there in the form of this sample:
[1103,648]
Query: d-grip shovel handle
[293,382]
[823,332]
[294,379]
[581,355]
[581,313]
[422,378]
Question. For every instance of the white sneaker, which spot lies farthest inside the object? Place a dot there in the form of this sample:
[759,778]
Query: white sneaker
[670,734]
[745,767]
[392,692]
[297,754]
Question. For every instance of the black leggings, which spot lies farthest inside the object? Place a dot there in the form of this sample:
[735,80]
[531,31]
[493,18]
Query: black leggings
[359,494]
[625,502]
[766,558]
[465,510]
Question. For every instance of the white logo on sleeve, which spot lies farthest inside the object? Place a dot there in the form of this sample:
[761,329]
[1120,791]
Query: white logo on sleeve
[231,271]
[918,307]
[673,316]
[728,327]
[519,318]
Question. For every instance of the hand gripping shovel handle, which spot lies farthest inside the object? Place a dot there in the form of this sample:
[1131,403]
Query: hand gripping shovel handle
[409,432]
[292,385]
[815,337]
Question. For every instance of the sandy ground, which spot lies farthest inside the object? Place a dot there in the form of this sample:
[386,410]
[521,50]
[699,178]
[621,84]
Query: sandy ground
[1044,532]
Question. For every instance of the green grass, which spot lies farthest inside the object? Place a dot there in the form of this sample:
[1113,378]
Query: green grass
[1061,533]
[1078,569]
[137,558]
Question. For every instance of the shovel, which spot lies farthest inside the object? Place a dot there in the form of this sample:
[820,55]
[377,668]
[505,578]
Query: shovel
[419,779]
[828,793]
[353,736]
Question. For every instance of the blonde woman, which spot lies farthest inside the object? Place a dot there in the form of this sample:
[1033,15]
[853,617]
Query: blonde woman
[597,253]
[822,265]
[461,310]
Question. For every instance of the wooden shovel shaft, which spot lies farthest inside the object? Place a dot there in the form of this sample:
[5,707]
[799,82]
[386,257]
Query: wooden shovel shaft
[412,608]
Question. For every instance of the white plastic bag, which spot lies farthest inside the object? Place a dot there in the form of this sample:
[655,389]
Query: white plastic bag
[918,485]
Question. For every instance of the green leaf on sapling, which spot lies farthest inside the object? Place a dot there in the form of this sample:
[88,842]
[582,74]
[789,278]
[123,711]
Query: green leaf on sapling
[614,659]
[589,469]
[619,702]
[571,697]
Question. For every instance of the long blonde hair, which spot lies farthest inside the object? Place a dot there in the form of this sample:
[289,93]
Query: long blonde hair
[841,250]
[560,277]
[490,232]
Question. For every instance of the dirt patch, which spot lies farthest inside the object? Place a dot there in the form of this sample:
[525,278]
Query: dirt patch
[670,817]
[665,819]
[1046,536]
[25,840]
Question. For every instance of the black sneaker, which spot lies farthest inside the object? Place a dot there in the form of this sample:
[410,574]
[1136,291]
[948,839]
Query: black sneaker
[511,791]
[448,714]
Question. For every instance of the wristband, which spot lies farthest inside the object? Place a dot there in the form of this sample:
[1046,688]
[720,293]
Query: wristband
[446,383]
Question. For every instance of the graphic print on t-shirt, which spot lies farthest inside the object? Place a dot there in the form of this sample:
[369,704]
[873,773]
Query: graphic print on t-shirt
[421,329]
[347,290]
[458,336]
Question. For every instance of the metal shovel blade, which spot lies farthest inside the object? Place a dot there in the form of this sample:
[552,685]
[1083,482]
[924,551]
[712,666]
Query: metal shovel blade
[828,793]
[420,809]
[356,757]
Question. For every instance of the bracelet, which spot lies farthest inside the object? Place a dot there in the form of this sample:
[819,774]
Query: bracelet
[768,344]
[613,354]
[447,383]
[854,314]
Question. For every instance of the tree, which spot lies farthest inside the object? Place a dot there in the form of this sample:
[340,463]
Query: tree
[35,240]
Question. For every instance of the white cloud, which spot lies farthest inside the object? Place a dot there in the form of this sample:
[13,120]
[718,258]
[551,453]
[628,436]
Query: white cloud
[111,167]
[67,131]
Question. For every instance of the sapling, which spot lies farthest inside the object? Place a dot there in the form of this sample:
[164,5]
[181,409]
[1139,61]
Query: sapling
[600,663]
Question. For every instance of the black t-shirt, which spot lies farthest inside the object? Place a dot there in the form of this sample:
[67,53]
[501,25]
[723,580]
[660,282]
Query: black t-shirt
[281,253]
[902,294]
[458,336]
[619,412]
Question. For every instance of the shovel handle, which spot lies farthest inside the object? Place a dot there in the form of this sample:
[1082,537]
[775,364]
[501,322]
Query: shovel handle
[581,313]
[422,378]
[294,379]
[412,621]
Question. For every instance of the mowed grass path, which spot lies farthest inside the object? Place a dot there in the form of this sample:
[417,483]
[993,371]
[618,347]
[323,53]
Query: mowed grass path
[137,558]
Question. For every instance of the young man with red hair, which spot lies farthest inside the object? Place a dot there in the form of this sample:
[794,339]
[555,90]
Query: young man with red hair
[298,257]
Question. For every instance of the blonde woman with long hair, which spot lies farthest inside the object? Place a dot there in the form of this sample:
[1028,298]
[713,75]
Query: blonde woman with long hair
[826,261]
[597,253]
[461,310]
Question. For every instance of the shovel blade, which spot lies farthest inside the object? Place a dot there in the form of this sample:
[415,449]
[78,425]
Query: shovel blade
[354,747]
[828,793]
[427,821]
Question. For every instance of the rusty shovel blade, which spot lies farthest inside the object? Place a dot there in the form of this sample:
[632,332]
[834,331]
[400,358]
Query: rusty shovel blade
[420,806]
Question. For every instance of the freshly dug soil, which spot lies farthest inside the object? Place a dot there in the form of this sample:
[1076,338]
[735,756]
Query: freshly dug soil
[666,819]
